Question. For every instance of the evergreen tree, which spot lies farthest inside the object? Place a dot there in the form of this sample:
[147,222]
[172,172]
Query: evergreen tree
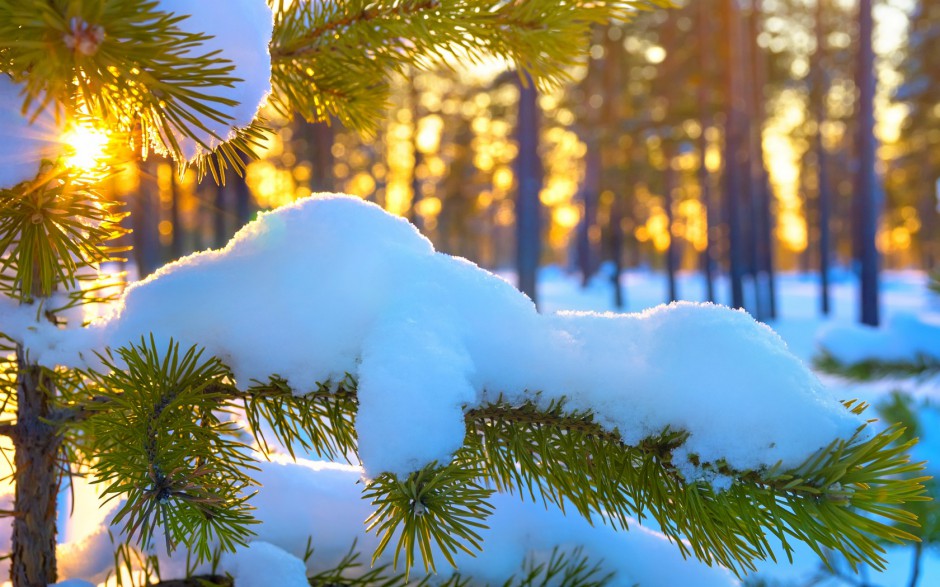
[149,420]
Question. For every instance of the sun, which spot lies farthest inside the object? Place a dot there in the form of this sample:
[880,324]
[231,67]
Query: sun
[86,146]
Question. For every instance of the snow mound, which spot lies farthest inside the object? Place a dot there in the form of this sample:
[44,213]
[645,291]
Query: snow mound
[241,31]
[905,337]
[23,144]
[334,285]
[261,564]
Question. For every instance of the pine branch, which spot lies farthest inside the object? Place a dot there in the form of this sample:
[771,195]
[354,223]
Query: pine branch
[334,58]
[922,366]
[161,446]
[54,234]
[849,497]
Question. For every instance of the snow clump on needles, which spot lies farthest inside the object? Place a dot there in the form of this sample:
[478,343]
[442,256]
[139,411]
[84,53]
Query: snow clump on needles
[332,285]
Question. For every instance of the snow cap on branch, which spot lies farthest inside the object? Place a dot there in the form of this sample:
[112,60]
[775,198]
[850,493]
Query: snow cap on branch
[333,285]
[261,564]
[241,31]
[23,144]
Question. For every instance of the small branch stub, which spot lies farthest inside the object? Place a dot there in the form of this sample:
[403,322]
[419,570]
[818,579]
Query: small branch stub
[83,37]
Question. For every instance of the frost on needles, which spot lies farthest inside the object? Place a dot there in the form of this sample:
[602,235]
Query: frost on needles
[447,384]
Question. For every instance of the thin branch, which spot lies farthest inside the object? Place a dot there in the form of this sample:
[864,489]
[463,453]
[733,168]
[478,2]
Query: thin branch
[309,43]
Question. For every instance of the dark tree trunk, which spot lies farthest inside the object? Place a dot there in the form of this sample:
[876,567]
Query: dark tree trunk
[145,218]
[243,203]
[670,186]
[176,221]
[416,195]
[220,232]
[704,179]
[764,279]
[589,195]
[320,137]
[616,248]
[823,195]
[33,562]
[529,181]
[866,188]
[734,135]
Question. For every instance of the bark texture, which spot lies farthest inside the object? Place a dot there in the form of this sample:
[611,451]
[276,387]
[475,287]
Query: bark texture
[33,561]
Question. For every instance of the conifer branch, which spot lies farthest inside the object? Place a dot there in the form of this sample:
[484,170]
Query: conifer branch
[848,497]
[335,58]
[922,366]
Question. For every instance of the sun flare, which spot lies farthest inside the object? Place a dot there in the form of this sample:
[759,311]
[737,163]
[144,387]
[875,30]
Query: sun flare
[86,146]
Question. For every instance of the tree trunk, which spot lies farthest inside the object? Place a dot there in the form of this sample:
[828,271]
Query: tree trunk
[529,181]
[866,189]
[764,279]
[145,218]
[670,181]
[734,136]
[823,195]
[414,98]
[33,562]
[704,179]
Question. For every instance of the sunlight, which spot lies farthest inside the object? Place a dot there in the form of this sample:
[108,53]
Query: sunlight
[86,146]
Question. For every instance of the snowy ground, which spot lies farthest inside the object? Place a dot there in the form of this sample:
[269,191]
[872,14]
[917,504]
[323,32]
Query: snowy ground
[798,323]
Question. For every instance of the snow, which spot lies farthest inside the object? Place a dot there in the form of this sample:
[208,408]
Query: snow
[261,564]
[905,337]
[241,31]
[334,285]
[322,500]
[23,144]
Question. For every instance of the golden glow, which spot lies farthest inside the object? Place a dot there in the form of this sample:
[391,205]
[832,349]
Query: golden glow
[361,185]
[783,159]
[566,216]
[428,207]
[86,146]
[656,229]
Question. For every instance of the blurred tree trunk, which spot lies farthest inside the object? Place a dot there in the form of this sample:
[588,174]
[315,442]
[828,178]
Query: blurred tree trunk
[613,157]
[866,188]
[243,201]
[823,194]
[669,188]
[145,218]
[529,184]
[176,220]
[313,143]
[764,279]
[706,73]
[589,194]
[219,209]
[415,103]
[734,138]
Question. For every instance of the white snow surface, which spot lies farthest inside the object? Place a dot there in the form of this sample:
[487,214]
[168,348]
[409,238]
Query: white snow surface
[23,144]
[333,285]
[241,31]
[905,336]
[262,564]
